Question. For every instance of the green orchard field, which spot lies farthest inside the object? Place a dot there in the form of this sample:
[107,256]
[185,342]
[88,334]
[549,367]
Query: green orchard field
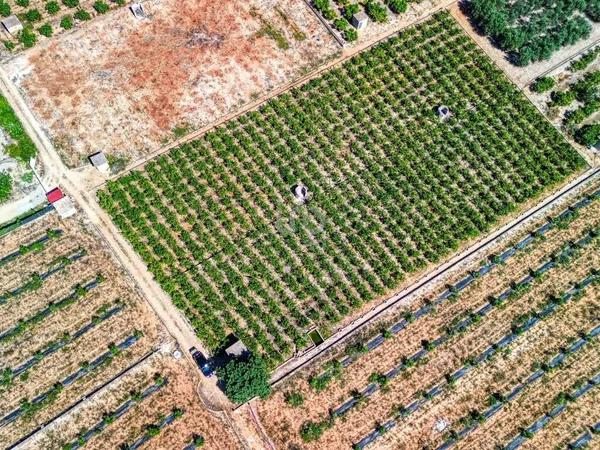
[392,188]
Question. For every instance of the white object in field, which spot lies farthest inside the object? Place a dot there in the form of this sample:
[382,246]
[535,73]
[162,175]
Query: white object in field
[138,11]
[176,354]
[441,425]
[64,207]
[443,112]
[300,192]
[360,20]
[100,162]
[12,24]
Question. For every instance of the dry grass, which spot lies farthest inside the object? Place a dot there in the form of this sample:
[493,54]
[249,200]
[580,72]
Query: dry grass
[123,86]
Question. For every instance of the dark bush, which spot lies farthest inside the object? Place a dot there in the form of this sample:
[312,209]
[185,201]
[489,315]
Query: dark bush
[543,84]
[66,22]
[101,7]
[52,7]
[45,30]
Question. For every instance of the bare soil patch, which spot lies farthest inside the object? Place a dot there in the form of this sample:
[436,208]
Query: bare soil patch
[123,86]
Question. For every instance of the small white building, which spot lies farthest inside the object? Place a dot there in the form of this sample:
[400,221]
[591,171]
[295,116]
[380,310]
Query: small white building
[360,20]
[301,192]
[64,207]
[12,24]
[138,11]
[443,112]
[100,162]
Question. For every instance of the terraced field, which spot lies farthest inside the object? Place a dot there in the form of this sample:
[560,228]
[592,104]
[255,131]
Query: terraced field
[476,365]
[393,188]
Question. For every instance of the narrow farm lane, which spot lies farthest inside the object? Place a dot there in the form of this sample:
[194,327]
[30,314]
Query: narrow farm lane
[73,183]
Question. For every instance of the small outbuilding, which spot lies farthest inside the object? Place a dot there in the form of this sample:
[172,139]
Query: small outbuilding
[237,350]
[54,195]
[100,162]
[64,207]
[443,112]
[12,24]
[300,192]
[360,20]
[138,11]
[61,203]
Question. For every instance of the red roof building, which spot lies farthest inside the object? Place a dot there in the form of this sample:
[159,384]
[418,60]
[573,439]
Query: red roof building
[54,195]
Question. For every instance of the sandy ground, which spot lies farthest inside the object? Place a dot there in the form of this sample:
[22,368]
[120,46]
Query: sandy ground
[522,76]
[122,85]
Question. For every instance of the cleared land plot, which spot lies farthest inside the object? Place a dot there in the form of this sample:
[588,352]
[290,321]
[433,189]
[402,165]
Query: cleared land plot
[151,392]
[392,189]
[124,86]
[415,360]
[69,322]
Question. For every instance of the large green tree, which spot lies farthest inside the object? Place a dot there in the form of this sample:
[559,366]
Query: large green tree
[588,134]
[245,379]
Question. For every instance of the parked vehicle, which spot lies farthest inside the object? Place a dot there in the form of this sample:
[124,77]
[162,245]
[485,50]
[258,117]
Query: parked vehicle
[203,364]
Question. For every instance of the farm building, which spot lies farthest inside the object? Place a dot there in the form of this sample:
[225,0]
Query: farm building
[237,349]
[360,20]
[100,162]
[54,195]
[138,11]
[12,24]
[62,204]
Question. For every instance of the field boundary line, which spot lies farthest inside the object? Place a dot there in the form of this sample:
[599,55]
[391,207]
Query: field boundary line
[392,301]
[86,397]
[326,24]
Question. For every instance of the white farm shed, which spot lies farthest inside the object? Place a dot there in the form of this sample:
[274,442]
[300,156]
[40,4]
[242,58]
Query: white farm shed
[100,162]
[360,20]
[12,24]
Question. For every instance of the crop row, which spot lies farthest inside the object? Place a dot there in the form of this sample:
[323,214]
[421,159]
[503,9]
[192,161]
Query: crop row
[474,420]
[560,221]
[584,440]
[34,246]
[516,290]
[103,313]
[517,329]
[562,400]
[534,30]
[30,216]
[30,407]
[341,17]
[218,227]
[33,16]
[154,430]
[36,280]
[135,399]
[78,292]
